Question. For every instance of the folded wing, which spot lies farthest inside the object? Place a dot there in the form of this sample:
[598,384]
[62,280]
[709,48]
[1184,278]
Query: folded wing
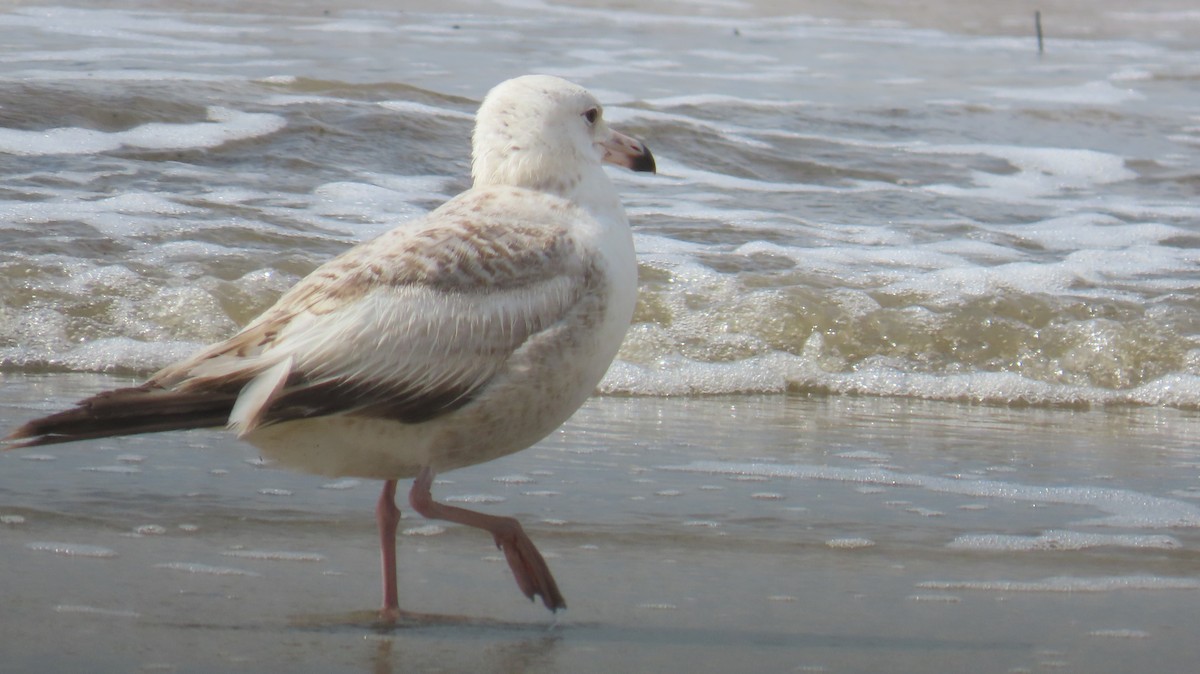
[411,325]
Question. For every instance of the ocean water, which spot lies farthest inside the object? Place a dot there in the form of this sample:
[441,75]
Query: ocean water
[913,384]
[842,207]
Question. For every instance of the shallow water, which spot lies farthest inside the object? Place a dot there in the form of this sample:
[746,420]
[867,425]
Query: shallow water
[843,206]
[832,534]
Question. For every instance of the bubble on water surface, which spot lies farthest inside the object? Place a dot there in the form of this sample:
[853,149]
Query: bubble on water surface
[849,543]
[276,555]
[476,499]
[1061,540]
[1120,634]
[206,569]
[96,611]
[120,470]
[425,530]
[72,549]
[513,479]
[1068,584]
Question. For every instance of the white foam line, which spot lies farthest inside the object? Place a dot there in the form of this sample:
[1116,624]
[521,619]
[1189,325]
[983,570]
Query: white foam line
[94,610]
[1098,93]
[702,100]
[775,372]
[223,125]
[276,555]
[428,110]
[1061,540]
[1068,584]
[205,569]
[1125,508]
[72,549]
[674,169]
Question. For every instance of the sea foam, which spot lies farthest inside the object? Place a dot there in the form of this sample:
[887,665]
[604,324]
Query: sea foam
[1123,507]
[223,126]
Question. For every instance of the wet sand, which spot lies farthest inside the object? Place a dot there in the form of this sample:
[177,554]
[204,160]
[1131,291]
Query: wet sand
[767,534]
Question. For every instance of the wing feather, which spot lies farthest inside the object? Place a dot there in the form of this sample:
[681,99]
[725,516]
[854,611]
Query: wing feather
[257,397]
[410,325]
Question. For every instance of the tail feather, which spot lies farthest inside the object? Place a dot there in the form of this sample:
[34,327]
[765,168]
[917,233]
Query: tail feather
[127,411]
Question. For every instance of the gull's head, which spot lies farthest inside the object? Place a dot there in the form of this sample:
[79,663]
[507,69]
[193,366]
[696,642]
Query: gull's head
[548,134]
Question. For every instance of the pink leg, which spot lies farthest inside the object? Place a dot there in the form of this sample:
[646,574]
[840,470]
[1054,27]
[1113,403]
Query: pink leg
[388,517]
[528,567]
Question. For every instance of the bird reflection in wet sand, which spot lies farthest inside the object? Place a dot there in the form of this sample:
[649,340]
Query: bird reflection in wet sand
[455,339]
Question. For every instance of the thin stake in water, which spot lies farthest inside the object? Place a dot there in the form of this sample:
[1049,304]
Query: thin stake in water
[1037,23]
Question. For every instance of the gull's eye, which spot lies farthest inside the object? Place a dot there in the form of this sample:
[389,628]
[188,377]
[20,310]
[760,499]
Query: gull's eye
[592,115]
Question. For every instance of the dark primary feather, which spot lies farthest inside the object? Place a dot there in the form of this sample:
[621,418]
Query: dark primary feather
[410,405]
[149,409]
[127,411]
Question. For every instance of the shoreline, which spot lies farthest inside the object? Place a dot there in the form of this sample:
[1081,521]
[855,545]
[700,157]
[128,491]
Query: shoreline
[835,535]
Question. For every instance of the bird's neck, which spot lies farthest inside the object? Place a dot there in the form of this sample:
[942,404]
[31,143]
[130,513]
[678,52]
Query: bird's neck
[587,186]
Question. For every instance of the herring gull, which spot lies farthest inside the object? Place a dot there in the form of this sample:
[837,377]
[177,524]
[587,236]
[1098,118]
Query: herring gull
[457,338]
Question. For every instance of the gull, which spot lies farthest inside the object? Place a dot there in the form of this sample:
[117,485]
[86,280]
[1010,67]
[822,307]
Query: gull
[457,338]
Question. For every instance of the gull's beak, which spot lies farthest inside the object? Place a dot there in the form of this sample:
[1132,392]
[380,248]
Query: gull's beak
[621,150]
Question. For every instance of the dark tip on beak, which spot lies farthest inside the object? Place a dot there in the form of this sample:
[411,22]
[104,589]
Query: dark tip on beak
[631,153]
[644,162]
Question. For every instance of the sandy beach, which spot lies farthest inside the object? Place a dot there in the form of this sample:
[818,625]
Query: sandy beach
[723,534]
